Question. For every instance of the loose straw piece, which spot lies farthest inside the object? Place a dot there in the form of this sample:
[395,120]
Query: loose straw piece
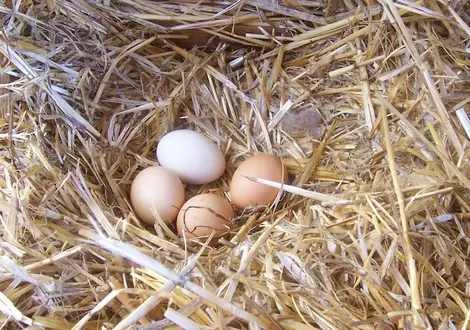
[181,320]
[8,308]
[413,275]
[331,199]
[287,11]
[349,68]
[464,120]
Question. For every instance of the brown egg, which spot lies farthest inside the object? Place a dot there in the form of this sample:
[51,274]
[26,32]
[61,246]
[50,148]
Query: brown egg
[157,189]
[245,192]
[203,214]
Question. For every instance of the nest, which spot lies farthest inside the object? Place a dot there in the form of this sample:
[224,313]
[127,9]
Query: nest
[365,101]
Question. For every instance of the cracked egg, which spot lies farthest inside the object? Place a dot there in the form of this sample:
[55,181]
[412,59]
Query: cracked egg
[203,214]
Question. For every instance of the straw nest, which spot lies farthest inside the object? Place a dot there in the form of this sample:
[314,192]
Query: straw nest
[365,101]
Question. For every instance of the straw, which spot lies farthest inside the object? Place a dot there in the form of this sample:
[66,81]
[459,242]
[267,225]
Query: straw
[369,232]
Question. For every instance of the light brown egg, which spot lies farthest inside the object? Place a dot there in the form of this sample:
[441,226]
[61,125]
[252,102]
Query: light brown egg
[157,189]
[203,214]
[245,192]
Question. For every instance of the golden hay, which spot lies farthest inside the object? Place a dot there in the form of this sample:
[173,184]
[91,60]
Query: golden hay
[366,101]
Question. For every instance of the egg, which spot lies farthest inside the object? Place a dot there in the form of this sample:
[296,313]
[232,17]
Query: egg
[157,189]
[192,156]
[245,193]
[203,214]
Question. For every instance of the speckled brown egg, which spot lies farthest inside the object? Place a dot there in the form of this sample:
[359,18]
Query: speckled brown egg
[202,214]
[245,192]
[157,189]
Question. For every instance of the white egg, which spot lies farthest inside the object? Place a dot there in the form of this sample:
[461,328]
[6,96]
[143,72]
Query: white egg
[192,156]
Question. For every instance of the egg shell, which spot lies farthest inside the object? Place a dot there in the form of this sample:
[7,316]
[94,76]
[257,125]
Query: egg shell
[203,214]
[191,156]
[245,193]
[157,188]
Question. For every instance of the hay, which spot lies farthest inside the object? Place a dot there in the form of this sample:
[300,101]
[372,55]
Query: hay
[372,231]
